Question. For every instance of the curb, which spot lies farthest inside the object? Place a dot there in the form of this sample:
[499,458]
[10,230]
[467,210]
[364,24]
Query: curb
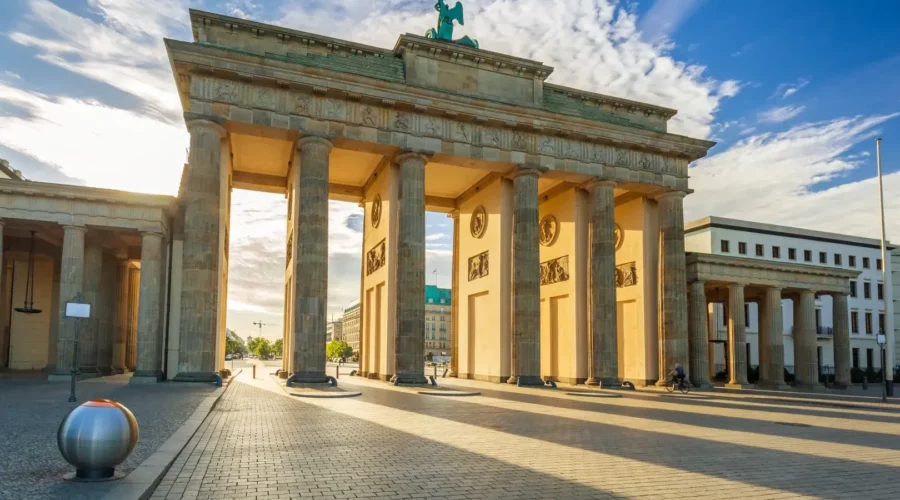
[140,483]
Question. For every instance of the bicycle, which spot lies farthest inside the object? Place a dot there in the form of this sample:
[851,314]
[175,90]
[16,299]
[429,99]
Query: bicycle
[684,386]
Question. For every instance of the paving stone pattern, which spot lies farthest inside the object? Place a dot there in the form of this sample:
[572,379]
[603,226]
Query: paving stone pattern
[31,466]
[532,443]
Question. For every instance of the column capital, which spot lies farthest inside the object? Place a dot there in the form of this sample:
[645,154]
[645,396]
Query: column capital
[736,285]
[409,155]
[701,282]
[2,224]
[151,234]
[454,214]
[74,227]
[670,195]
[597,182]
[199,122]
[526,170]
[311,140]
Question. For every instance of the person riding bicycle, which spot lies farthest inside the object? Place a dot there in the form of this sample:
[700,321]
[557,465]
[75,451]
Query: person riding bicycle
[678,374]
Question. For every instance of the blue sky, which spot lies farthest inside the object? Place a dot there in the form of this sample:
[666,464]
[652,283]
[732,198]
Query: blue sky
[793,92]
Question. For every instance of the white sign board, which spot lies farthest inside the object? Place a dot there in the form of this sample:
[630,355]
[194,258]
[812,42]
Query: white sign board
[880,339]
[77,310]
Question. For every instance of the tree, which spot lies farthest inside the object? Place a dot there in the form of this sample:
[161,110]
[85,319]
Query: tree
[263,348]
[253,343]
[233,346]
[338,349]
[278,347]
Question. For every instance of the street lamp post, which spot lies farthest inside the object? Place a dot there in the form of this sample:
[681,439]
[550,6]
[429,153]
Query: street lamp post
[881,342]
[76,309]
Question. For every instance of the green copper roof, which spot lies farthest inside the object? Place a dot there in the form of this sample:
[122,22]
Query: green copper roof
[559,102]
[434,295]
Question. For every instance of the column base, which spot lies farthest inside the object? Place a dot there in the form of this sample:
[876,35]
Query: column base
[452,375]
[810,387]
[527,381]
[701,384]
[106,370]
[591,381]
[309,380]
[118,371]
[739,385]
[194,377]
[88,372]
[842,386]
[146,377]
[409,379]
[776,386]
[611,382]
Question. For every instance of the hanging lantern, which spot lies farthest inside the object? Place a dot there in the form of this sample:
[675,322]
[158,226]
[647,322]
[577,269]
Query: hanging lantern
[28,307]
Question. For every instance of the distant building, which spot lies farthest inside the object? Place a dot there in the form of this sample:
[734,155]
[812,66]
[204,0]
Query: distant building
[895,280]
[334,330]
[437,323]
[350,326]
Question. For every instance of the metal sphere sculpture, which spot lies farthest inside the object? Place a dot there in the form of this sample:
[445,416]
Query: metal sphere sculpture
[95,437]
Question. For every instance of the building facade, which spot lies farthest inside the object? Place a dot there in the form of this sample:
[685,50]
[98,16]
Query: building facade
[870,302]
[438,321]
[895,280]
[334,330]
[350,326]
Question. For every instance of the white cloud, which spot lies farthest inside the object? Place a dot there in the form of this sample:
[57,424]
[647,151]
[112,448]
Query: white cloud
[780,114]
[665,17]
[786,90]
[245,9]
[592,44]
[772,178]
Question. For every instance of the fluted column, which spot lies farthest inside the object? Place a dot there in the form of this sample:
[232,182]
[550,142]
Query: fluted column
[71,281]
[149,342]
[310,260]
[771,339]
[842,362]
[120,334]
[603,337]
[454,299]
[525,349]
[673,335]
[4,335]
[106,301]
[806,373]
[737,336]
[698,323]
[134,288]
[409,360]
[90,327]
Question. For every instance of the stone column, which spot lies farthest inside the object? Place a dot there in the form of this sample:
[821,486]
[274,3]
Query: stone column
[409,346]
[200,261]
[806,372]
[107,301]
[525,349]
[771,339]
[737,336]
[4,300]
[121,317]
[454,299]
[71,280]
[842,361]
[699,335]
[148,368]
[310,261]
[134,287]
[603,337]
[673,335]
[90,327]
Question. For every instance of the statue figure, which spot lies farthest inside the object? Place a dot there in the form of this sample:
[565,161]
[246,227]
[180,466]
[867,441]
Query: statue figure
[446,16]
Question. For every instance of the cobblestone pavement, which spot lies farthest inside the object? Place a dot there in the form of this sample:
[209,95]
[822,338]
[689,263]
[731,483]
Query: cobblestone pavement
[31,411]
[532,443]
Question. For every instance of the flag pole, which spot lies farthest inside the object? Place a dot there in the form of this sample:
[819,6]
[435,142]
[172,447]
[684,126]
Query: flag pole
[884,264]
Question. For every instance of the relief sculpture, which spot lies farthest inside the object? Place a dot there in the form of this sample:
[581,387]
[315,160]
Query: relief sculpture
[555,271]
[478,266]
[375,258]
[626,275]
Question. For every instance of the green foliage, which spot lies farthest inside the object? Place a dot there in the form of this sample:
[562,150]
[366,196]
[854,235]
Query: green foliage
[338,349]
[234,346]
[263,348]
[278,347]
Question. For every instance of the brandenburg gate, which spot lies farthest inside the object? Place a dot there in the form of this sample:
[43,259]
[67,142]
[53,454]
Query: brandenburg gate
[568,237]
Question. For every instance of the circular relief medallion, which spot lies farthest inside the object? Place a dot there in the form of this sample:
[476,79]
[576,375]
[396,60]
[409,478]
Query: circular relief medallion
[479,222]
[376,211]
[620,237]
[549,230]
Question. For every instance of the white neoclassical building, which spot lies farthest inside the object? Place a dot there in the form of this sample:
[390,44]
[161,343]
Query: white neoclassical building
[870,303]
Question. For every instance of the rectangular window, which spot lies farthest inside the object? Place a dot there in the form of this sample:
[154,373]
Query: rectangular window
[747,315]
[853,288]
[856,357]
[837,259]
[742,248]
[881,291]
[776,252]
[807,255]
[866,263]
[870,358]
[878,264]
[867,290]
[868,323]
[760,252]
[881,327]
[852,260]
[792,253]
[823,258]
[725,246]
[854,322]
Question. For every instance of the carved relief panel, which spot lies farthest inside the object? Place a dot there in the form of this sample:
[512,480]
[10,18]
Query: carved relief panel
[626,275]
[478,266]
[375,258]
[555,270]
